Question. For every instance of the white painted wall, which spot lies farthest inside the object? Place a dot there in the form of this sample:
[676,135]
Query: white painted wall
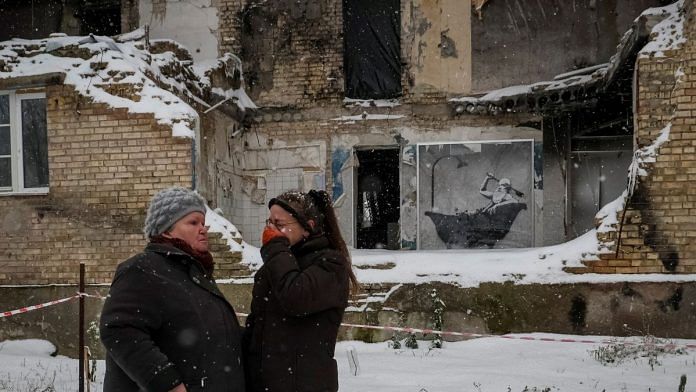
[193,23]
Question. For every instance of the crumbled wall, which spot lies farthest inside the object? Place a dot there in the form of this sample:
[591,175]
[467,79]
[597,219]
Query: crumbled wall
[292,51]
[658,231]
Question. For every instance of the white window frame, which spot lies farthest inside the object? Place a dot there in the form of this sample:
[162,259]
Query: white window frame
[16,153]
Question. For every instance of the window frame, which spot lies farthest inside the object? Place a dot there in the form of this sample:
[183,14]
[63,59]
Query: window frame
[16,145]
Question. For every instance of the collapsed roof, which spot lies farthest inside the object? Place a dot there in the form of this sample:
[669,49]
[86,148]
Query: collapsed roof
[162,77]
[654,31]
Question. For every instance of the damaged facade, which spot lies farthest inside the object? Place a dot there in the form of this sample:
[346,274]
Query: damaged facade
[403,111]
[357,97]
[383,105]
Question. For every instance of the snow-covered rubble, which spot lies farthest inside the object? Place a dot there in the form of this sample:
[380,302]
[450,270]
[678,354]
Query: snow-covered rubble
[160,72]
[669,33]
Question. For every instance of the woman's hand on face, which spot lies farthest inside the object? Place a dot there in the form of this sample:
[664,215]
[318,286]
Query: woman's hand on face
[269,233]
[179,388]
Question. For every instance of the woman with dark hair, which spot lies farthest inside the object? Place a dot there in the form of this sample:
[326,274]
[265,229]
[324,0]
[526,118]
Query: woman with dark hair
[299,296]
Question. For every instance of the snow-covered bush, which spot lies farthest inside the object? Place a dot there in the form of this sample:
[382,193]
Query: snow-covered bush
[438,313]
[649,347]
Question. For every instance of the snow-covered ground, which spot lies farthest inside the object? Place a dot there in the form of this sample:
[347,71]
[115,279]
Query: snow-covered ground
[479,365]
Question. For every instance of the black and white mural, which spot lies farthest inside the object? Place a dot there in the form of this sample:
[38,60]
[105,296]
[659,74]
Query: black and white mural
[475,195]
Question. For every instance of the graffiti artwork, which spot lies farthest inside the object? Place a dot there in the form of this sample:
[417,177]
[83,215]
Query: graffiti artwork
[459,214]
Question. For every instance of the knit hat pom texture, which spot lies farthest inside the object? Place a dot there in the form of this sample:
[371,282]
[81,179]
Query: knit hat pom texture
[168,206]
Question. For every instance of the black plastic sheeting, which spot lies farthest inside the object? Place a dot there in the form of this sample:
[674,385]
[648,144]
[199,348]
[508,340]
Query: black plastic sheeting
[372,45]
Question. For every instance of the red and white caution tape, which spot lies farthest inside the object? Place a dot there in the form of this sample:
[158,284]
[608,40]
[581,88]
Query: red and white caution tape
[382,328]
[479,335]
[40,306]
[47,304]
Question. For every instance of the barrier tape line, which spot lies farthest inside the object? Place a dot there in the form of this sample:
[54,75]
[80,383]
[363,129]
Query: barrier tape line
[47,304]
[479,335]
[35,307]
[382,328]
[529,338]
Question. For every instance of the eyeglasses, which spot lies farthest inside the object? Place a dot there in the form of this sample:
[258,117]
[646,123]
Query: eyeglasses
[280,226]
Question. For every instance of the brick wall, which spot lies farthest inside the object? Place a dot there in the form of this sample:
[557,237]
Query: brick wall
[658,233]
[292,51]
[229,26]
[105,164]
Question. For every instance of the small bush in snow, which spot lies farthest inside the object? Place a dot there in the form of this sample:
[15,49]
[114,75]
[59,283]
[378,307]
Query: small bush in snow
[649,347]
[35,380]
[438,312]
[411,341]
[394,342]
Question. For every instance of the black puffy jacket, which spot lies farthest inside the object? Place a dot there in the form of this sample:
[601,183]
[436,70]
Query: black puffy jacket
[299,297]
[164,322]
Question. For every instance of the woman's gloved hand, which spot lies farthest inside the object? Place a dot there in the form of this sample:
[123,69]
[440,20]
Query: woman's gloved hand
[269,233]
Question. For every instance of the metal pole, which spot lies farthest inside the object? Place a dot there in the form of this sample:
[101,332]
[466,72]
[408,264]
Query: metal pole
[432,176]
[81,330]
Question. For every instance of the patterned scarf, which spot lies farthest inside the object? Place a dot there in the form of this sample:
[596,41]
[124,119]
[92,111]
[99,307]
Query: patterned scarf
[205,259]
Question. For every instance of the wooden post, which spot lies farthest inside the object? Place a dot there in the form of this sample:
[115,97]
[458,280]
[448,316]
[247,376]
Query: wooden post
[81,330]
[87,373]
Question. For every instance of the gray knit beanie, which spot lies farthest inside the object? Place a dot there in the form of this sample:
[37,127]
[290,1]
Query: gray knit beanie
[168,206]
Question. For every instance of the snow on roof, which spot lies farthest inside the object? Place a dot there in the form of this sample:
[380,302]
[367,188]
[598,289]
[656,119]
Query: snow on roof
[94,64]
[666,34]
[669,33]
[230,64]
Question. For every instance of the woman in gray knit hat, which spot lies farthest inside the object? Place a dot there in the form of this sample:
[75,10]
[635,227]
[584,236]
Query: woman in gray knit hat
[165,324]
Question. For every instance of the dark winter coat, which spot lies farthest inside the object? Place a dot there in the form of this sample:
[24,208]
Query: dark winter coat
[298,301]
[164,323]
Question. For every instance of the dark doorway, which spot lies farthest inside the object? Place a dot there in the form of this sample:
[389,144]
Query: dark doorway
[377,213]
[371,48]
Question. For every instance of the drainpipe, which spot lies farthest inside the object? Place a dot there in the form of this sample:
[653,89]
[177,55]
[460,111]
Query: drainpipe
[194,148]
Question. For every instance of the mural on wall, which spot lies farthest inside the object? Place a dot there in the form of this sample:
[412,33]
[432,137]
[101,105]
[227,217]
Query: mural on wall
[475,195]
[339,156]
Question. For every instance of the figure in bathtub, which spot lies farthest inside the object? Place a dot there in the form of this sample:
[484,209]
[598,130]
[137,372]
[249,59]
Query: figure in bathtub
[485,226]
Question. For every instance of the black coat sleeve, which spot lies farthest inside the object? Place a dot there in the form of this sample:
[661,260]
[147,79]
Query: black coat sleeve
[129,317]
[322,285]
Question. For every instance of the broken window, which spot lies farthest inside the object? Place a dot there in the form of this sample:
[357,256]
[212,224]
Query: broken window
[371,56]
[23,143]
